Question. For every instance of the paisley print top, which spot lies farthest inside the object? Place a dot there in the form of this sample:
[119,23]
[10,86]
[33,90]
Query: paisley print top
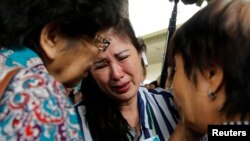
[34,105]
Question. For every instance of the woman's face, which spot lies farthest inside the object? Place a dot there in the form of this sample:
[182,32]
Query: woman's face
[66,58]
[193,103]
[118,71]
[72,61]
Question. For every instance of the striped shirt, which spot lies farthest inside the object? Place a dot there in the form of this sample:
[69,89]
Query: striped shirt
[157,115]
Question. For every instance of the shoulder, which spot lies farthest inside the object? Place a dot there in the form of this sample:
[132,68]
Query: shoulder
[38,82]
[157,92]
[35,98]
[159,99]
[161,106]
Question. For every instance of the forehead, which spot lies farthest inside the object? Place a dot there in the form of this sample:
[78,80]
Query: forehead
[118,43]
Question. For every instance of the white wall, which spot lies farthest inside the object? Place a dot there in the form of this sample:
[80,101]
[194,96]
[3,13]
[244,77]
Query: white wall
[148,16]
[153,72]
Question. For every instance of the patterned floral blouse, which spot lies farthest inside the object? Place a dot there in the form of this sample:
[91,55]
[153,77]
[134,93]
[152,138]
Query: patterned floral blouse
[34,105]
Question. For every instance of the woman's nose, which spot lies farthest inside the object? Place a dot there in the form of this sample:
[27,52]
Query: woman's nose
[117,71]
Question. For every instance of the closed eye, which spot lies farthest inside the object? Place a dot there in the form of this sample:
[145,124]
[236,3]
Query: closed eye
[122,55]
[121,58]
[100,64]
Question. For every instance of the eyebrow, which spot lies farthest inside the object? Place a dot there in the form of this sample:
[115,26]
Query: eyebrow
[101,60]
[117,54]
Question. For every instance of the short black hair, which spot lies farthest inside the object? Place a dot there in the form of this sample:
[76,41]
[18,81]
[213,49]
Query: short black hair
[21,21]
[219,36]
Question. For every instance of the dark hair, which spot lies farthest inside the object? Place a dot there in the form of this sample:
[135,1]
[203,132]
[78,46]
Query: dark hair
[104,119]
[22,21]
[155,83]
[125,31]
[219,36]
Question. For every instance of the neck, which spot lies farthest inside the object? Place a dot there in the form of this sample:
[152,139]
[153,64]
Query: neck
[130,112]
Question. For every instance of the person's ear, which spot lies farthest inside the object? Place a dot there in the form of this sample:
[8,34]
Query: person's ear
[48,40]
[215,78]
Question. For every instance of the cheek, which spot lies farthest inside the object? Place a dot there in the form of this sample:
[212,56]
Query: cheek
[136,69]
[185,96]
[180,88]
[135,72]
[176,88]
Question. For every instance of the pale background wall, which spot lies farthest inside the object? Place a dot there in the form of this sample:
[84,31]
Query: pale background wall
[153,72]
[150,20]
[149,16]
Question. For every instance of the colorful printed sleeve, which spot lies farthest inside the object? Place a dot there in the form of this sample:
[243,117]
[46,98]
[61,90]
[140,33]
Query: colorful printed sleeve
[34,107]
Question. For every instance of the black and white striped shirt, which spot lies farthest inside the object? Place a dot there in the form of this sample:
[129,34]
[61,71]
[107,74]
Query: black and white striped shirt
[157,115]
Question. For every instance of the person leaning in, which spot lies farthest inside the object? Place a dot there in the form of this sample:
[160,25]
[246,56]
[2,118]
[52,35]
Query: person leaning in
[212,64]
[53,43]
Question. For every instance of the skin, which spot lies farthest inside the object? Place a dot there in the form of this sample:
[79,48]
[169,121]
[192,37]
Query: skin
[117,70]
[68,60]
[71,65]
[119,73]
[196,108]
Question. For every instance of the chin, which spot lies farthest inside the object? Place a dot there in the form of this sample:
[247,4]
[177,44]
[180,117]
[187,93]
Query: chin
[194,125]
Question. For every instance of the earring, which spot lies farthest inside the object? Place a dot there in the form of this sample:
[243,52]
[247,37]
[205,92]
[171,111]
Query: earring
[211,95]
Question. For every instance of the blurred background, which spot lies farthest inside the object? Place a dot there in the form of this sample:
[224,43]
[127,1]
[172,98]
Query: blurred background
[150,19]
